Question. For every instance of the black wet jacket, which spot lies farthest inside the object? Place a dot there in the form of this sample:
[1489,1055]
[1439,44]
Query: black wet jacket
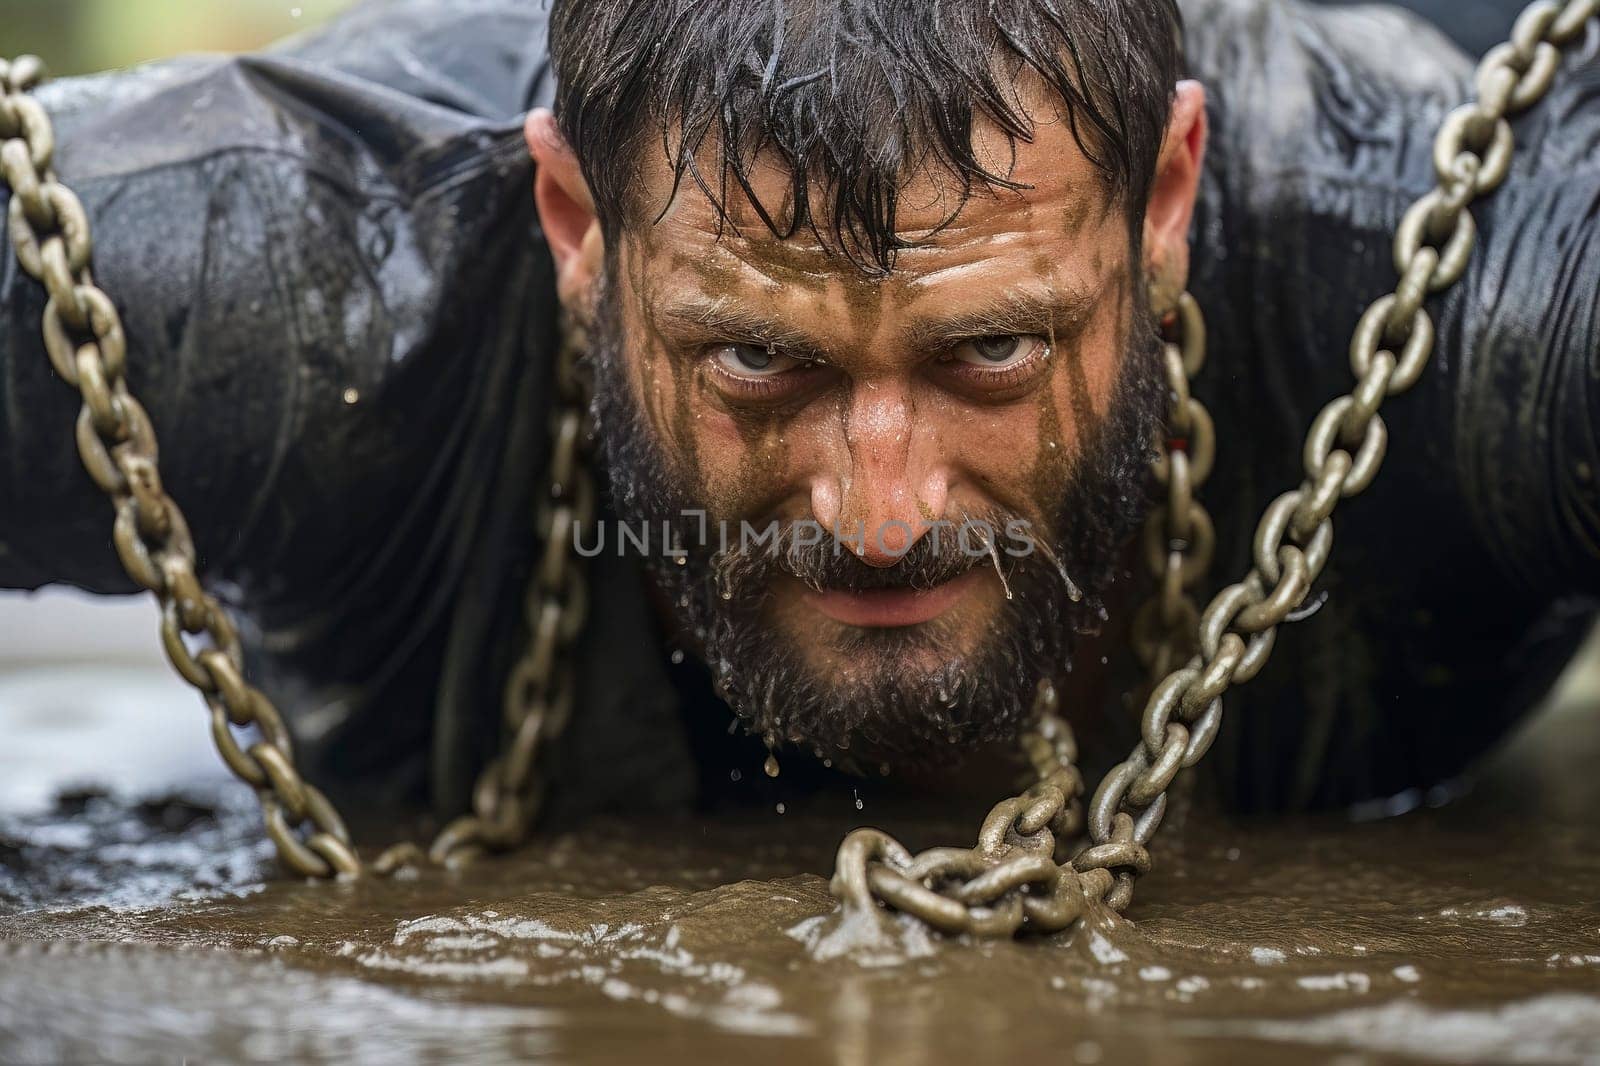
[348,218]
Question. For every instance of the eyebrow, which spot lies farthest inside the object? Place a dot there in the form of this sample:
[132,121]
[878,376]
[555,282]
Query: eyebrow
[1054,312]
[718,316]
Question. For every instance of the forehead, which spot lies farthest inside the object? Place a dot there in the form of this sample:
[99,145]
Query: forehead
[1055,220]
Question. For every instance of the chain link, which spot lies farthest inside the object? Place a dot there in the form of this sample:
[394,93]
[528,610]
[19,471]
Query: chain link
[994,888]
[1006,882]
[84,339]
[1179,538]
[1013,877]
[542,687]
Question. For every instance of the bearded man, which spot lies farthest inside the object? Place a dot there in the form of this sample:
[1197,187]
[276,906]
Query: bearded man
[883,270]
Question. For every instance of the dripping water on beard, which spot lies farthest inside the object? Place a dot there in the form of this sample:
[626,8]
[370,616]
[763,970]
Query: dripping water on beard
[883,713]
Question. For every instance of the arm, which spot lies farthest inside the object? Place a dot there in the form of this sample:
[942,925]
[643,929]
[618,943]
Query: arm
[282,233]
[1461,580]
[1325,121]
[1526,341]
[338,311]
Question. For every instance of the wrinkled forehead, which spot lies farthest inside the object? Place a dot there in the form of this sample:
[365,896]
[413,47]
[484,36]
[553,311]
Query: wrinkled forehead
[1055,197]
[1058,220]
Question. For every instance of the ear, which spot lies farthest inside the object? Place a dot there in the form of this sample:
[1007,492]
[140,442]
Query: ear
[1172,197]
[566,211]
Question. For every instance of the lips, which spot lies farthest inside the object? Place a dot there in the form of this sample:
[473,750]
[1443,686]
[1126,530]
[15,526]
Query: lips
[882,608]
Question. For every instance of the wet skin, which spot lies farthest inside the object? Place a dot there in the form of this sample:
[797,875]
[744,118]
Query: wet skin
[789,383]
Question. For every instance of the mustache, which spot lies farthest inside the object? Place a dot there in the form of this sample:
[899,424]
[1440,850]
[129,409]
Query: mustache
[824,561]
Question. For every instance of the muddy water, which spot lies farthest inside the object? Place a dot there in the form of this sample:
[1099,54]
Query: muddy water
[151,930]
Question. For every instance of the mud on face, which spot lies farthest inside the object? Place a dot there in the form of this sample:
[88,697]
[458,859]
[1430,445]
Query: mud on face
[922,694]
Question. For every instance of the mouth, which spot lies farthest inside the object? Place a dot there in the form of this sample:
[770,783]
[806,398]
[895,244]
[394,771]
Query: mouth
[891,607]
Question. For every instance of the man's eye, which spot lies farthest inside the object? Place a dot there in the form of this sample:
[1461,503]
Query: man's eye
[1000,351]
[752,360]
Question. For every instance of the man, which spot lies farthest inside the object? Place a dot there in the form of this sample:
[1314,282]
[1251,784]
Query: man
[885,268]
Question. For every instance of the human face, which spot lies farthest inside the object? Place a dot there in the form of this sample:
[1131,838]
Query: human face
[1001,369]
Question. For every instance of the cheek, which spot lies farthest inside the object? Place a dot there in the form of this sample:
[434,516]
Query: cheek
[1084,379]
[760,467]
[993,451]
[738,467]
[664,392]
[1022,455]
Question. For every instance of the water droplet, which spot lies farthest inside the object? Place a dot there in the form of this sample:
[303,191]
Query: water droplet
[859,804]
[676,656]
[735,776]
[771,766]
[351,396]
[781,808]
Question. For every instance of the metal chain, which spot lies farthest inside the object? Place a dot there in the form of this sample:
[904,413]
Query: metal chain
[117,443]
[1008,881]
[83,336]
[542,687]
[992,888]
[1179,539]
[1011,878]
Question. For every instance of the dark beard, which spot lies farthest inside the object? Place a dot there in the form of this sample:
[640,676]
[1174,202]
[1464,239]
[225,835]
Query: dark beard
[888,709]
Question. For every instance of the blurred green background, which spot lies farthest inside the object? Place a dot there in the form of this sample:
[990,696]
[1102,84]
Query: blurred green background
[77,36]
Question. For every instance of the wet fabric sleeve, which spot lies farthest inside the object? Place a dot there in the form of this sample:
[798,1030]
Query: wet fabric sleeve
[301,243]
[1524,348]
[1461,580]
[340,315]
[339,311]
[1323,124]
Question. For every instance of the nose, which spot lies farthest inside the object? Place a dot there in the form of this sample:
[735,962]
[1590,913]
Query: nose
[894,483]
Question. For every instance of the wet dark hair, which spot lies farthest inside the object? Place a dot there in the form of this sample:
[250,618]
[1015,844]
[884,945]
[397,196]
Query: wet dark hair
[855,96]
